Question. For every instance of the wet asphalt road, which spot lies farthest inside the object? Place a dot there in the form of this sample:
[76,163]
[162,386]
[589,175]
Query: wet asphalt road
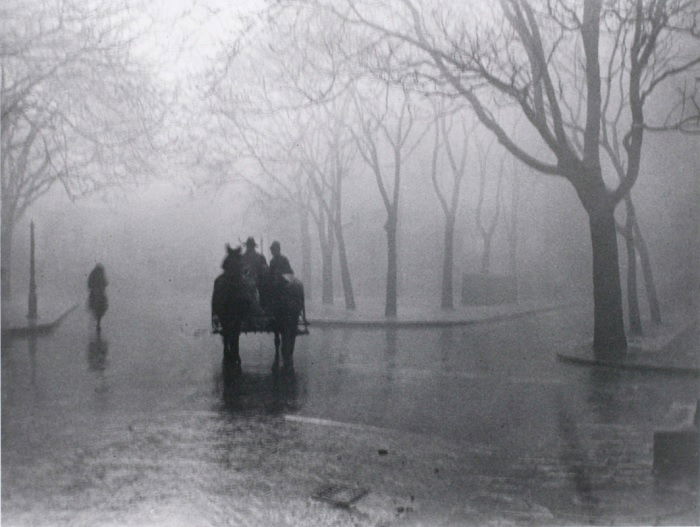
[495,385]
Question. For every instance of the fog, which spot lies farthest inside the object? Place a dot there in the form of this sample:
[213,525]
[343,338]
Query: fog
[195,195]
[421,162]
[168,237]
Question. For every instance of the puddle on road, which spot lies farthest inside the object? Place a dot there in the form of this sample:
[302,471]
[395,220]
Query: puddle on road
[143,427]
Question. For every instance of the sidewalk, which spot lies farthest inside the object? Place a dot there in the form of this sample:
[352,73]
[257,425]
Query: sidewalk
[417,312]
[671,348]
[51,312]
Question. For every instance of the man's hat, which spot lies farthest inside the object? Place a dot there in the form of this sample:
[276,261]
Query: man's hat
[250,242]
[275,244]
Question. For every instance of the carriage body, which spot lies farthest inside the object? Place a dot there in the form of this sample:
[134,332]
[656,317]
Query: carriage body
[280,300]
[259,324]
[246,303]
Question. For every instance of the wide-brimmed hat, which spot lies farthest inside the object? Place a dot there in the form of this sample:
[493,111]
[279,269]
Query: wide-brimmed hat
[250,242]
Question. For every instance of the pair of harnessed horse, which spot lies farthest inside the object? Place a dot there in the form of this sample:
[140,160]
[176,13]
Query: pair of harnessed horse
[237,308]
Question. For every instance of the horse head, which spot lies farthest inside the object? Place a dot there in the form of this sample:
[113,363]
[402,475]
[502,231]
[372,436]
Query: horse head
[232,262]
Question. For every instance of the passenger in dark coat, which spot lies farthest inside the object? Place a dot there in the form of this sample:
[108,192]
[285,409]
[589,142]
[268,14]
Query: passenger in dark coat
[279,264]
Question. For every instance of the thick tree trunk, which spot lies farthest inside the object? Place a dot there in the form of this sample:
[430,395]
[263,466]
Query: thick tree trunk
[609,338]
[390,309]
[633,315]
[344,267]
[306,254]
[448,265]
[6,257]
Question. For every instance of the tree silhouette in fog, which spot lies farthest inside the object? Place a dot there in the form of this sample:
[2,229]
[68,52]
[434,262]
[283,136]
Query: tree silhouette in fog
[524,55]
[77,109]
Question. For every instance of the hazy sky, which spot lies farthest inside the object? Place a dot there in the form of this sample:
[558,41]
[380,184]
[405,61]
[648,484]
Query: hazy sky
[179,220]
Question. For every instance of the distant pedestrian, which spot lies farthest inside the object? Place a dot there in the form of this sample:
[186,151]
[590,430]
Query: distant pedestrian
[97,299]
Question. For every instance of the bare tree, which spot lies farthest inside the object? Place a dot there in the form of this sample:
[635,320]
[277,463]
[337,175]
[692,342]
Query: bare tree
[77,108]
[449,197]
[313,65]
[487,227]
[326,178]
[628,79]
[525,63]
[280,178]
[312,140]
[284,118]
[389,125]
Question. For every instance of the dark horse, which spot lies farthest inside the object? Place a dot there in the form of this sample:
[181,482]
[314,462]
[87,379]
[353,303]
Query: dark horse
[97,299]
[234,311]
[282,297]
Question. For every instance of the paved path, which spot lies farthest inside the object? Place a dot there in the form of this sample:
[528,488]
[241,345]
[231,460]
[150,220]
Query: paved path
[471,425]
[370,313]
[674,352]
[466,425]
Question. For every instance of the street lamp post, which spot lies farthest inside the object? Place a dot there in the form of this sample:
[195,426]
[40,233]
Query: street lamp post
[32,311]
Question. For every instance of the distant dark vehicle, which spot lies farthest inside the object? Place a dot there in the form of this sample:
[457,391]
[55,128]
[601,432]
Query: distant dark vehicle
[235,310]
[97,299]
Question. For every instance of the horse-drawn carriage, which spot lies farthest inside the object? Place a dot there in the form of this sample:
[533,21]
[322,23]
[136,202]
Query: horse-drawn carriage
[275,305]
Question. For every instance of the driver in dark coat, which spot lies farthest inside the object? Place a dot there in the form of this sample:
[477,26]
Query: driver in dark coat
[252,262]
[254,268]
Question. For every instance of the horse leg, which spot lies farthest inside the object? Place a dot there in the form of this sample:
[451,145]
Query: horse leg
[276,363]
[234,351]
[232,358]
[289,335]
[227,353]
[226,360]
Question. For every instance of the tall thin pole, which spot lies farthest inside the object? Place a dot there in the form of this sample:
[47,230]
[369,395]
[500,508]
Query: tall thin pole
[5,260]
[32,312]
[2,102]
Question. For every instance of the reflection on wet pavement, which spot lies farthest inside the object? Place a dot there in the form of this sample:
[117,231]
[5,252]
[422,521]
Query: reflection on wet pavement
[134,410]
[251,393]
